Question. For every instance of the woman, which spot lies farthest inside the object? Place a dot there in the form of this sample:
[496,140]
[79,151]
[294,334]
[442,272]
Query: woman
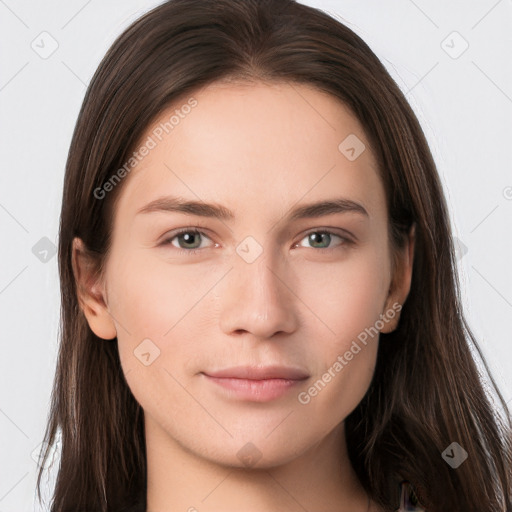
[259,370]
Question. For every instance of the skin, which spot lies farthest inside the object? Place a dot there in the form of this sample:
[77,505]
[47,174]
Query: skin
[260,150]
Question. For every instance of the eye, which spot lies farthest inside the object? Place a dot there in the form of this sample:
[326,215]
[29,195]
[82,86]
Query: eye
[319,238]
[187,239]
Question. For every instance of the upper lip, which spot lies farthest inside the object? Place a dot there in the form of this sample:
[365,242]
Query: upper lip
[260,373]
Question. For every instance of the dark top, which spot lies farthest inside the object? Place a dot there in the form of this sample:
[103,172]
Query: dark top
[408,501]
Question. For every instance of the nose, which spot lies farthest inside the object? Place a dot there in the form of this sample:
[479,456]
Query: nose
[258,298]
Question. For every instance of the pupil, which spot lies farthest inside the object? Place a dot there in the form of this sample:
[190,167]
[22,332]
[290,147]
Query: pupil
[188,237]
[316,236]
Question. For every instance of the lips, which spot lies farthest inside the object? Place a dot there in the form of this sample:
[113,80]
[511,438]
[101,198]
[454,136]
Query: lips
[259,373]
[256,383]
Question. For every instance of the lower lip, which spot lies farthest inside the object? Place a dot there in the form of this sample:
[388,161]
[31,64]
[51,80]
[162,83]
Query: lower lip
[256,390]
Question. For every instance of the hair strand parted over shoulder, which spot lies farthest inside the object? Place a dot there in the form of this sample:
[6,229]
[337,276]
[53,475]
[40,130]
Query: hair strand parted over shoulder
[426,392]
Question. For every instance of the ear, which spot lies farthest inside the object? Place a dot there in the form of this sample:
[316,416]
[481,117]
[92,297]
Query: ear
[400,282]
[91,293]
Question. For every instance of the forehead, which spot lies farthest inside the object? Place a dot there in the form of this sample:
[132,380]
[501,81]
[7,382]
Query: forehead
[255,144]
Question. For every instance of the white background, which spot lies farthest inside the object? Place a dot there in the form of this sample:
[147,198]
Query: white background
[464,105]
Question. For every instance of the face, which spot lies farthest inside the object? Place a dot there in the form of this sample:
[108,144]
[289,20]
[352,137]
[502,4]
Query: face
[267,283]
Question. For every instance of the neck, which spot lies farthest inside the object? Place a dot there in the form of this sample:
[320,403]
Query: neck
[321,478]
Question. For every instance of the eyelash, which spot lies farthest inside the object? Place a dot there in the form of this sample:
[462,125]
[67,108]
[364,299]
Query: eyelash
[167,241]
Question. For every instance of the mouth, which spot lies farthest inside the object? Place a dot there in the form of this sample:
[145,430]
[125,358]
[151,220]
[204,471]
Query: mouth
[257,384]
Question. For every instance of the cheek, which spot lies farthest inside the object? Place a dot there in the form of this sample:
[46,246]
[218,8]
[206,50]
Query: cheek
[153,295]
[347,299]
[346,296]
[170,319]
[156,303]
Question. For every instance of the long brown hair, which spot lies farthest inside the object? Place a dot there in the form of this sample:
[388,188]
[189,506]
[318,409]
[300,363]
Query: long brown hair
[426,392]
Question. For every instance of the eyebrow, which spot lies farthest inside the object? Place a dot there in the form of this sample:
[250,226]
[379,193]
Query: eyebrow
[214,210]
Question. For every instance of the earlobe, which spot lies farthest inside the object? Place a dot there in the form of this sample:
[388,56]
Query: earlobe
[391,316]
[401,284]
[90,292]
